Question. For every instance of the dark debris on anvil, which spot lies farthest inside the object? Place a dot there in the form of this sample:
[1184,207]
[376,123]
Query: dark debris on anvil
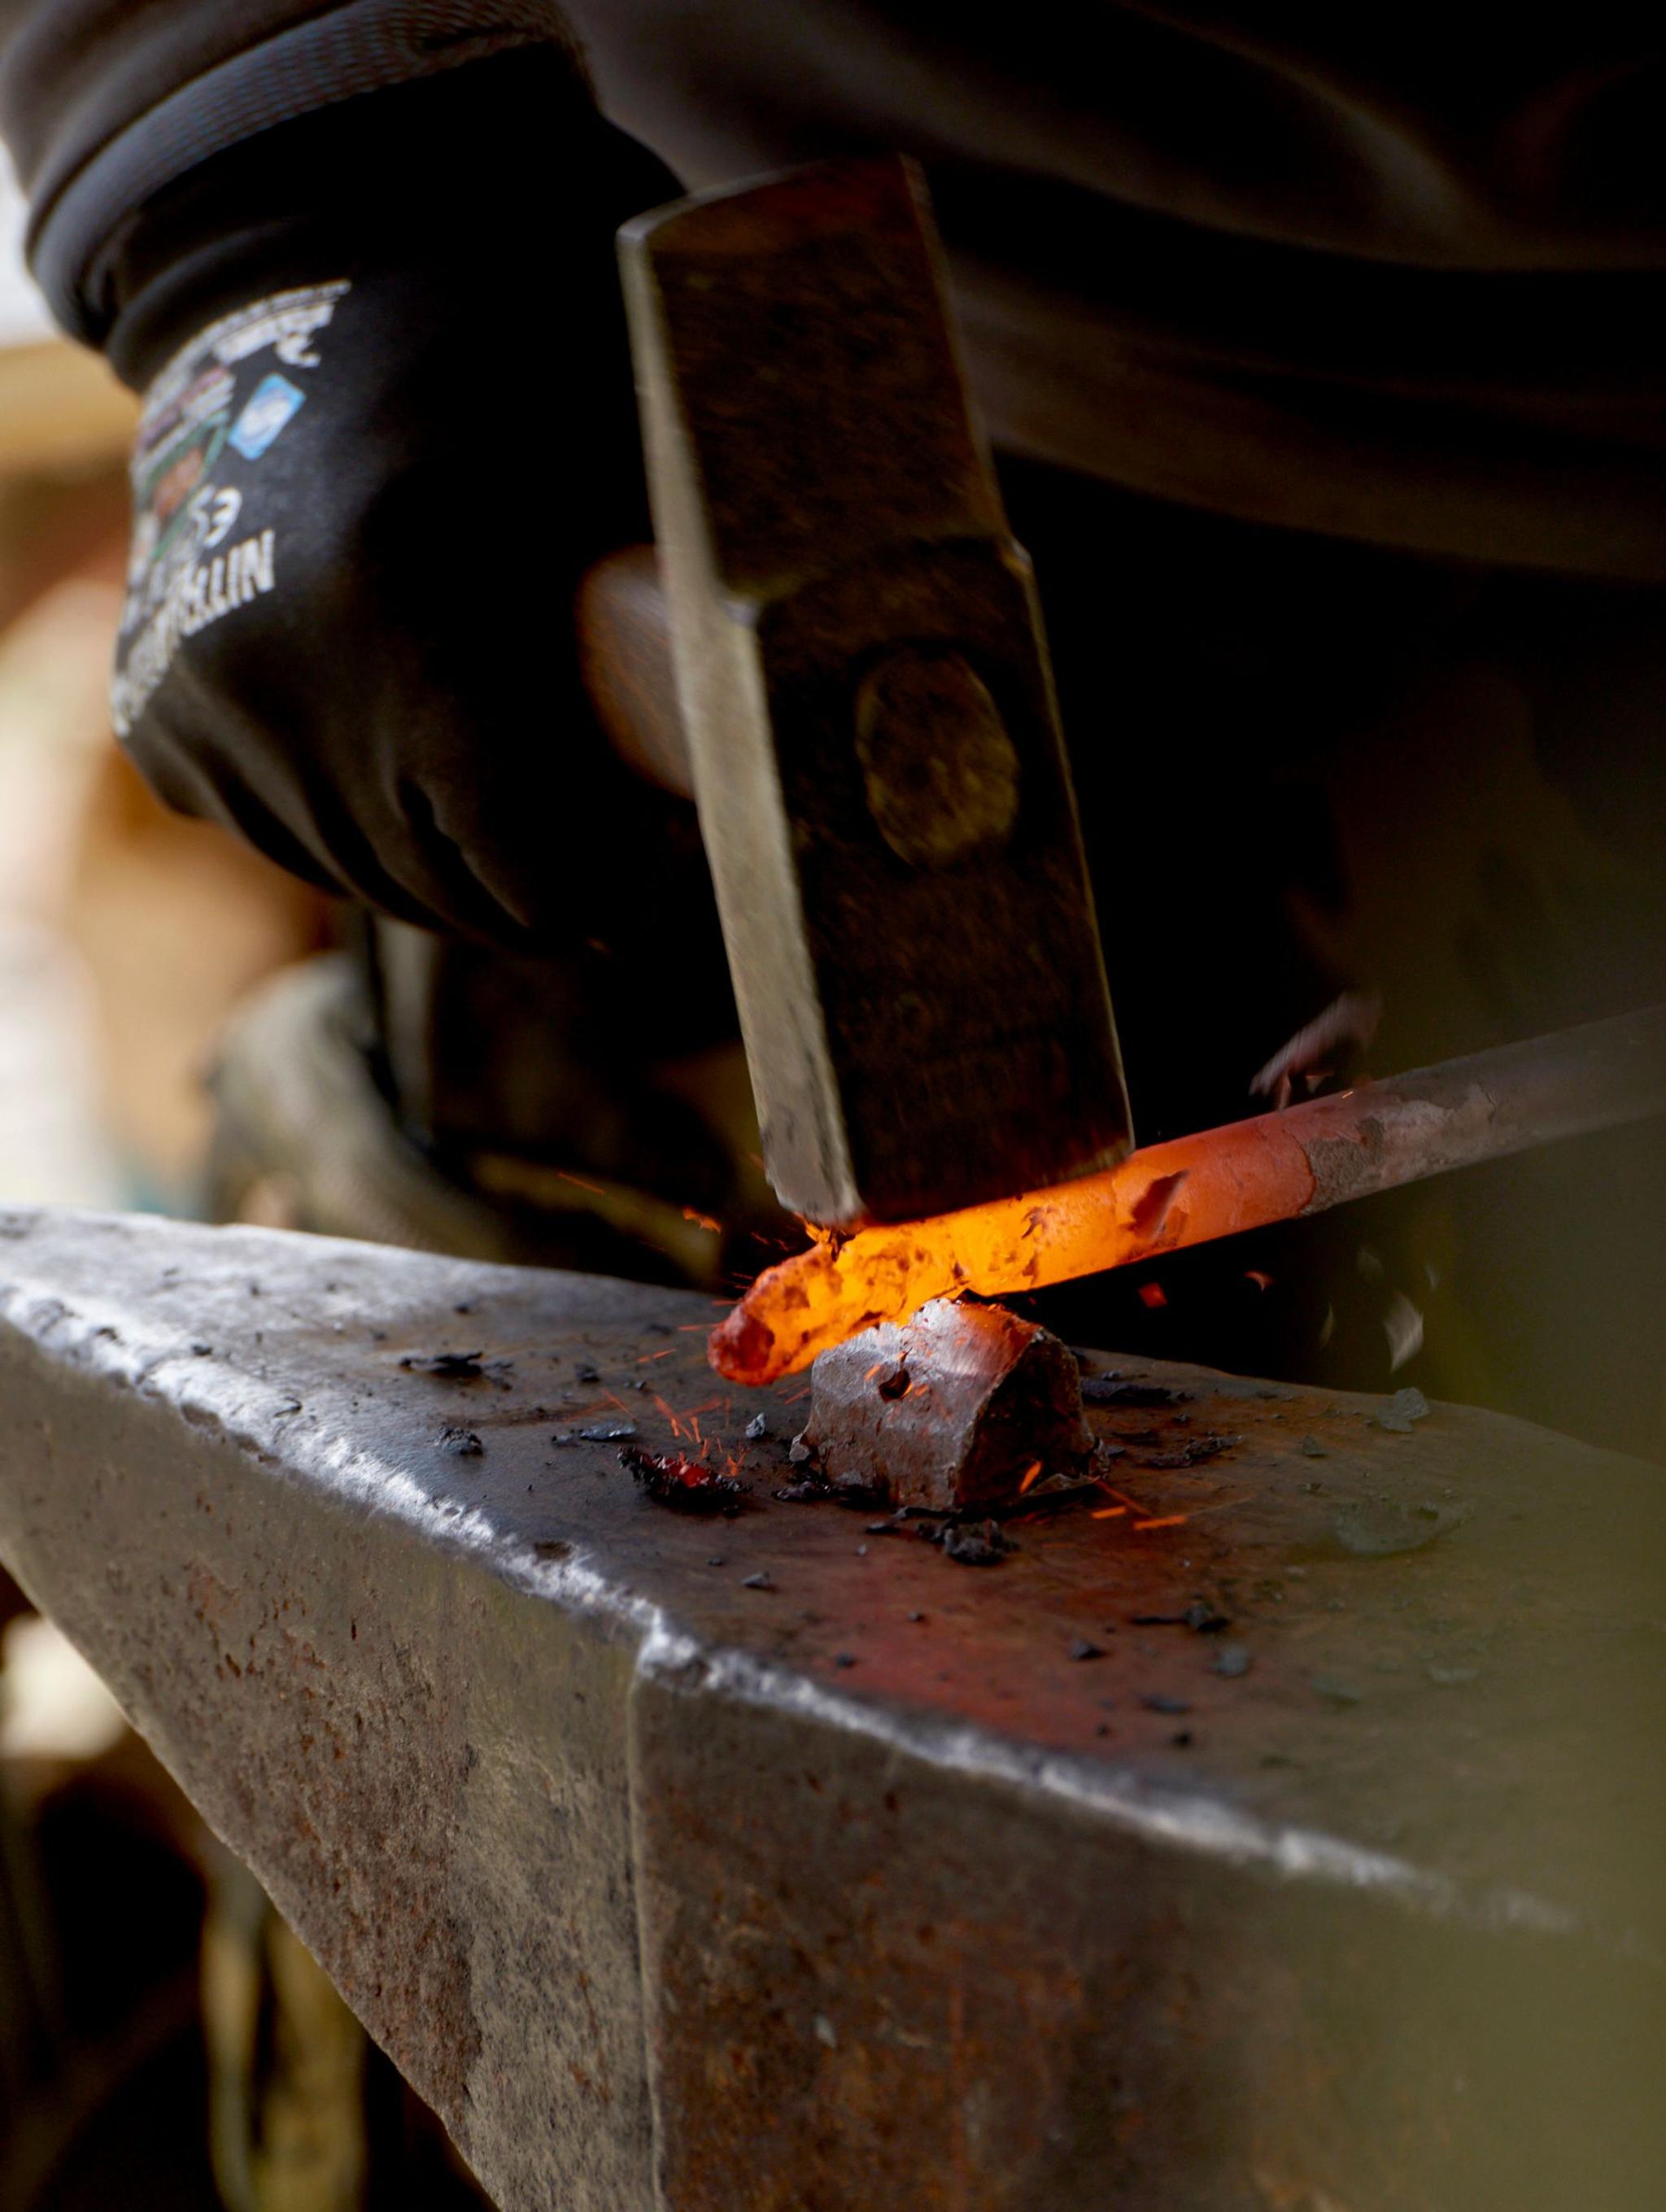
[458,1367]
[974,1544]
[1193,1452]
[1112,1390]
[971,1541]
[1201,1616]
[687,1485]
[808,1490]
[813,1489]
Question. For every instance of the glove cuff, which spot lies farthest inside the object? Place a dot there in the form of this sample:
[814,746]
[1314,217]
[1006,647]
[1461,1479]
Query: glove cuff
[440,173]
[339,57]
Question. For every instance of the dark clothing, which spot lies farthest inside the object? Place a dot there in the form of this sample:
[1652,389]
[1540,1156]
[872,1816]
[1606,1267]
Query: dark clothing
[1362,269]
[103,103]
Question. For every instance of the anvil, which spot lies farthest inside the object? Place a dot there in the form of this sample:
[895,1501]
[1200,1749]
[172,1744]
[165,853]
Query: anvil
[1284,1836]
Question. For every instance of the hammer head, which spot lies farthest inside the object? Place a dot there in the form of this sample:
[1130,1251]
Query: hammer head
[882,786]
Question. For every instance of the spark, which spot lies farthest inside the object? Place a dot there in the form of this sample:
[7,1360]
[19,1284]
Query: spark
[1030,1475]
[1128,1505]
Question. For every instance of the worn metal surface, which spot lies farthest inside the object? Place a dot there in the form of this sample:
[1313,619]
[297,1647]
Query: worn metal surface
[1332,1881]
[883,791]
[953,1410]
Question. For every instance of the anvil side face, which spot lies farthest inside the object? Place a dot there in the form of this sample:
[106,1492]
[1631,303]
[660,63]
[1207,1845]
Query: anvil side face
[1302,1851]
[882,786]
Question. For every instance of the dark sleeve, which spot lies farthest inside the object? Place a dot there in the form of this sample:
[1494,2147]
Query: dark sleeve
[105,102]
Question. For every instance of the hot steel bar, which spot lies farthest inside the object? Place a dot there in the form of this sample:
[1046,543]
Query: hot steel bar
[1271,1167]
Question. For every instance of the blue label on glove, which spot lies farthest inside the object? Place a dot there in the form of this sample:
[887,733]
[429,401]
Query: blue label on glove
[271,404]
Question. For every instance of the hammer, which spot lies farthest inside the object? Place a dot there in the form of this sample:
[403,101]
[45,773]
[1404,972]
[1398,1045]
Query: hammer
[847,667]
[838,651]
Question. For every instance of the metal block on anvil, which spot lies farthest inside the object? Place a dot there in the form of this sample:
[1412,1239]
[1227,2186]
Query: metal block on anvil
[883,790]
[952,1410]
[1291,1836]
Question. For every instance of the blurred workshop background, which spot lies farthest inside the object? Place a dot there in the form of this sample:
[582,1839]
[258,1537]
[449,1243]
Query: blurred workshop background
[163,2041]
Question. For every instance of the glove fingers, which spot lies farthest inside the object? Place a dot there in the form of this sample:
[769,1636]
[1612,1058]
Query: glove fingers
[189,779]
[465,896]
[296,823]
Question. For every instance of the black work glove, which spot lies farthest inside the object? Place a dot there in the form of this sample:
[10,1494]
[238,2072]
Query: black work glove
[389,424]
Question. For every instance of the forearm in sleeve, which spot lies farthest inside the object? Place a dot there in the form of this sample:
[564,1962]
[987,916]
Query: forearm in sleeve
[104,103]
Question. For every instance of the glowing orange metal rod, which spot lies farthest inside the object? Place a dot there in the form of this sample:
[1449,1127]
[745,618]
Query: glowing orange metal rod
[1274,1166]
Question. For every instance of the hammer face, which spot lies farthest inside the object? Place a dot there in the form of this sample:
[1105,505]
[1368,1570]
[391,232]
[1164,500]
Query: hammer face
[882,786]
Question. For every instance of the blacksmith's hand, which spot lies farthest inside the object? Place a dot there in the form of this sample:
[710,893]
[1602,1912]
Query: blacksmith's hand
[388,425]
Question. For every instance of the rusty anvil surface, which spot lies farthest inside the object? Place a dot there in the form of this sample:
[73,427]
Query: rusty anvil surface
[856,1889]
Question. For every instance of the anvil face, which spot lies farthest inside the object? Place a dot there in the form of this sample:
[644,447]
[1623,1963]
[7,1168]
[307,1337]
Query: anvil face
[1290,1836]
